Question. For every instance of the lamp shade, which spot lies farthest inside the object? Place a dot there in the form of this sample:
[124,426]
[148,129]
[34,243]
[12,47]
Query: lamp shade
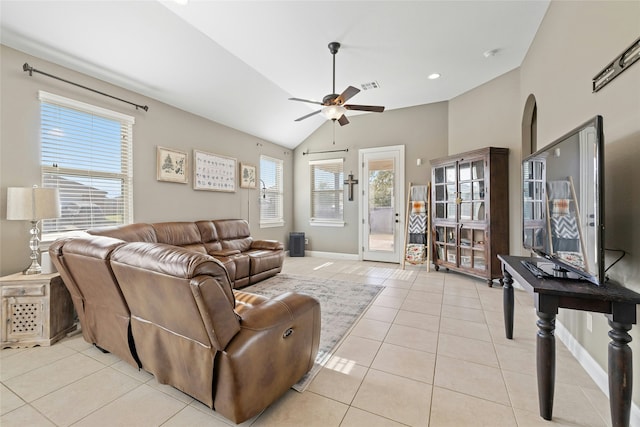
[32,204]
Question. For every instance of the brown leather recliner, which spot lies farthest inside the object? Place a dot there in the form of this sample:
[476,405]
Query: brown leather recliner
[234,351]
[84,265]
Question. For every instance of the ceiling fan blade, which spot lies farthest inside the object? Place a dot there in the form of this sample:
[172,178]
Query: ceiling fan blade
[346,95]
[308,115]
[343,120]
[306,100]
[373,108]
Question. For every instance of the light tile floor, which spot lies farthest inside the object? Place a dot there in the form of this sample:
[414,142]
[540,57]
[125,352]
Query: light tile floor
[430,351]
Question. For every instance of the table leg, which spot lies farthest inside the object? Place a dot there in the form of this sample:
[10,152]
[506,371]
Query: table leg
[507,304]
[546,362]
[620,374]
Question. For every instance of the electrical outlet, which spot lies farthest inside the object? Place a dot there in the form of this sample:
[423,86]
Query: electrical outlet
[306,241]
[589,322]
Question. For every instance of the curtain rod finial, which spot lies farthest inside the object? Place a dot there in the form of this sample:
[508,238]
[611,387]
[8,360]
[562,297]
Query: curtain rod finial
[28,68]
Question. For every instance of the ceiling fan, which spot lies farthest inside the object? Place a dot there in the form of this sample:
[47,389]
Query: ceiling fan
[333,104]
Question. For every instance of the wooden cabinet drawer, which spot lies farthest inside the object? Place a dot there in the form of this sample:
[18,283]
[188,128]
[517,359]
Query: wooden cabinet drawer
[23,291]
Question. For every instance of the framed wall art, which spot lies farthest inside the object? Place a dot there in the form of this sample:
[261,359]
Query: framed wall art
[213,172]
[247,175]
[172,165]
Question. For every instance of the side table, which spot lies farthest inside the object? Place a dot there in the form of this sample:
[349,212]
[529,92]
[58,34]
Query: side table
[36,310]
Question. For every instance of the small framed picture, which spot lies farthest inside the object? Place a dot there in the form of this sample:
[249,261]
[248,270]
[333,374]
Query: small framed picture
[247,175]
[172,165]
[213,172]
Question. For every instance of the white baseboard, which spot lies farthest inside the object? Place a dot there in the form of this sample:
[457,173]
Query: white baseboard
[333,255]
[592,367]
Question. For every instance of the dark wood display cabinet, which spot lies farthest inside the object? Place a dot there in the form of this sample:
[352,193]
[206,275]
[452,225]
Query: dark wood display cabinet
[470,211]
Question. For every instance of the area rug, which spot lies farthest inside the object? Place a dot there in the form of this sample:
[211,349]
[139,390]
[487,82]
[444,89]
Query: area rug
[341,305]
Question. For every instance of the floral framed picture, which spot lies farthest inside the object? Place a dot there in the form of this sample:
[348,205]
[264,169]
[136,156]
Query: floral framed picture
[172,165]
[213,172]
[247,176]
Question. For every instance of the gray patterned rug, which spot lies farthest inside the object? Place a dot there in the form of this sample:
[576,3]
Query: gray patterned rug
[341,305]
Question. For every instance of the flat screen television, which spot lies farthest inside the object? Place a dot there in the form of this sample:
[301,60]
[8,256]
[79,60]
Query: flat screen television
[563,198]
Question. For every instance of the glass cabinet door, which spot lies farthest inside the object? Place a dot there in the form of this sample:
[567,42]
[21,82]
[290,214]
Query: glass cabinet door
[446,243]
[471,184]
[444,195]
[472,248]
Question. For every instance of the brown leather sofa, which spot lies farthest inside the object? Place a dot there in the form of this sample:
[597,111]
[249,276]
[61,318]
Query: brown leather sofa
[172,311]
[247,261]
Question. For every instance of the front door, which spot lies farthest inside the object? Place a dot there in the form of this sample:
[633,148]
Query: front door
[381,209]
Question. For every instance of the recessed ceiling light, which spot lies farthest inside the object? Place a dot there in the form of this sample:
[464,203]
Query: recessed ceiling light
[434,76]
[490,53]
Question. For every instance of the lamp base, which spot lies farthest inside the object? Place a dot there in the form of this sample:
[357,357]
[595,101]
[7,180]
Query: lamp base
[34,268]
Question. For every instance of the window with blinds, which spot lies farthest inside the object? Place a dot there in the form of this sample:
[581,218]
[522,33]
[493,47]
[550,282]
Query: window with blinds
[86,152]
[271,192]
[327,201]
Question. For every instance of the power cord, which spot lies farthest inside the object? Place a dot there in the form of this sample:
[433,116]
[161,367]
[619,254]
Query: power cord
[616,261]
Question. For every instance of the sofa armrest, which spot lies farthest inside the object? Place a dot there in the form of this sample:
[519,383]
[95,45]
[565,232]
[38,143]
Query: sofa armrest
[273,245]
[224,252]
[277,344]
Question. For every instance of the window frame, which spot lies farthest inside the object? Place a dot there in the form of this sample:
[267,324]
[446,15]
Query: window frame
[126,157]
[278,191]
[318,221]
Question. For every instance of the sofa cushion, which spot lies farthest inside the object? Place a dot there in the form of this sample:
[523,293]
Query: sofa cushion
[233,234]
[184,234]
[209,237]
[129,233]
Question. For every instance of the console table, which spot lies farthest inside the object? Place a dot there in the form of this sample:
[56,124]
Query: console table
[616,302]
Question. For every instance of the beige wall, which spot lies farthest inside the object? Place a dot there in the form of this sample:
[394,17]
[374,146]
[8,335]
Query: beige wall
[489,115]
[161,125]
[575,41]
[423,132]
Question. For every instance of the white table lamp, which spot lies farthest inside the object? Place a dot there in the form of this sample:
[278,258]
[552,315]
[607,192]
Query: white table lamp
[33,204]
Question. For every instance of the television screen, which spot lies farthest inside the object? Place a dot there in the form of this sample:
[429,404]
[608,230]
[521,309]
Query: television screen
[562,190]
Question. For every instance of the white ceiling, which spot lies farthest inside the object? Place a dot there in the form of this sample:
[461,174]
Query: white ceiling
[238,62]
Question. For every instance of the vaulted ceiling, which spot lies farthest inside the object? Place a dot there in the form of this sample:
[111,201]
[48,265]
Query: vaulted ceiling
[238,62]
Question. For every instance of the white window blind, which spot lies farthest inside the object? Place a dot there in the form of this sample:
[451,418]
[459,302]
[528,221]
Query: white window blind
[271,192]
[327,202]
[86,152]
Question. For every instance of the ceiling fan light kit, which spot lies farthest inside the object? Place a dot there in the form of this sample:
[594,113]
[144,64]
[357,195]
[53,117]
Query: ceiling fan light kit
[334,106]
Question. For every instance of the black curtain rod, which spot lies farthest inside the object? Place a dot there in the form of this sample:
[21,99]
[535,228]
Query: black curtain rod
[31,70]
[304,153]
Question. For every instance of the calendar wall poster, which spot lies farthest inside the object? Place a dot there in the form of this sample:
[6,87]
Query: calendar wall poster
[213,172]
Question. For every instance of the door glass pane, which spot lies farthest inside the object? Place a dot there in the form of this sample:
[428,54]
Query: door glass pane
[465,210]
[465,172]
[465,258]
[465,190]
[479,262]
[478,169]
[451,192]
[478,211]
[465,237]
[381,205]
[440,208]
[451,211]
[440,193]
[451,173]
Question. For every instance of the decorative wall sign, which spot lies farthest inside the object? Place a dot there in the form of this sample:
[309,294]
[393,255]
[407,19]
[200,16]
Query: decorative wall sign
[172,165]
[213,172]
[247,176]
